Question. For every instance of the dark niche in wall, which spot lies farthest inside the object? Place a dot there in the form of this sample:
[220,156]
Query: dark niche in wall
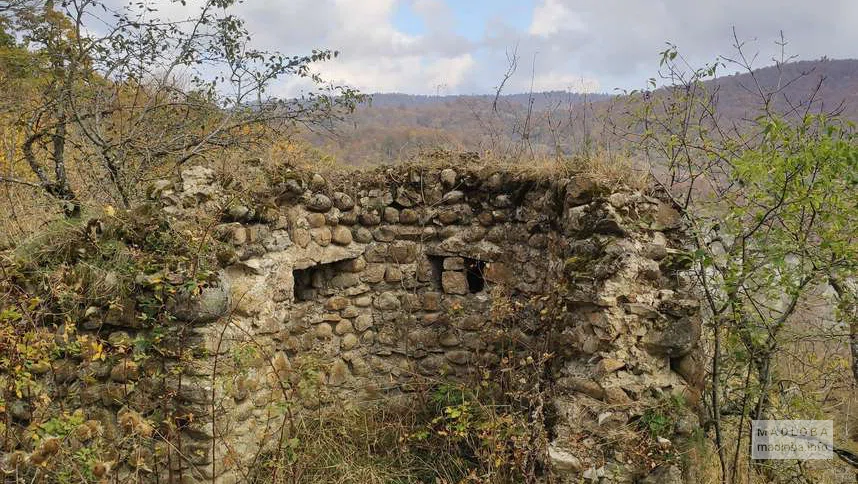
[474,271]
[303,278]
[323,280]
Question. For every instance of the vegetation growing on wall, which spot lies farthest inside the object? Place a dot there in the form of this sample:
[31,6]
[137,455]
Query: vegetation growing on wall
[772,207]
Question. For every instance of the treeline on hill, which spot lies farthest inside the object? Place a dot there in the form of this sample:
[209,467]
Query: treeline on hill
[396,126]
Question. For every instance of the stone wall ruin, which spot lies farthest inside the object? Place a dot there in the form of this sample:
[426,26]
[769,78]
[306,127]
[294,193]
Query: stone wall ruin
[367,284]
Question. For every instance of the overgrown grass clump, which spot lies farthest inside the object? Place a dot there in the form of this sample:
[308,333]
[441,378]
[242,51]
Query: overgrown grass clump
[447,433]
[79,264]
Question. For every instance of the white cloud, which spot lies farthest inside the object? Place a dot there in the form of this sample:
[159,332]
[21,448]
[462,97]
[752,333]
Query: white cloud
[374,55]
[410,74]
[613,41]
[620,39]
[551,16]
[449,72]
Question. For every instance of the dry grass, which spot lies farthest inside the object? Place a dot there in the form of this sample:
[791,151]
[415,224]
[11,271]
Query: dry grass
[364,445]
[609,170]
[25,211]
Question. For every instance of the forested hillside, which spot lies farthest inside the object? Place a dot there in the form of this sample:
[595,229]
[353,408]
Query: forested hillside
[396,126]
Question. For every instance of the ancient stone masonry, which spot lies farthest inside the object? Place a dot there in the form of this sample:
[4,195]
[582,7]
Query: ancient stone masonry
[384,280]
[347,292]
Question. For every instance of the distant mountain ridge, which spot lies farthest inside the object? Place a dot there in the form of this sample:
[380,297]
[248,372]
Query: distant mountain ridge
[839,76]
[541,99]
[395,126]
[819,85]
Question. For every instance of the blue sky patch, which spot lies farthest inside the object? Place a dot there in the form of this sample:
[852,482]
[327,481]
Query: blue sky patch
[406,20]
[472,15]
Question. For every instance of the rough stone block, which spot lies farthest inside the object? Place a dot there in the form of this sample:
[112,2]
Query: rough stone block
[363,301]
[473,234]
[387,301]
[344,280]
[425,270]
[324,331]
[317,182]
[498,273]
[448,177]
[362,235]
[373,274]
[449,216]
[406,197]
[422,338]
[403,252]
[677,339]
[342,201]
[432,301]
[376,252]
[319,203]
[453,197]
[301,237]
[337,303]
[649,269]
[125,370]
[238,235]
[332,218]
[369,217]
[391,215]
[384,234]
[321,236]
[349,342]
[339,373]
[353,265]
[485,219]
[408,216]
[411,302]
[392,273]
[616,396]
[431,365]
[343,327]
[368,338]
[341,235]
[348,218]
[316,220]
[349,312]
[471,322]
[454,264]
[449,338]
[363,322]
[454,282]
[606,366]
[256,233]
[657,248]
[430,318]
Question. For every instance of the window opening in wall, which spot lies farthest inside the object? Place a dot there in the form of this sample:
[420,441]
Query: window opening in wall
[321,280]
[474,271]
[303,282]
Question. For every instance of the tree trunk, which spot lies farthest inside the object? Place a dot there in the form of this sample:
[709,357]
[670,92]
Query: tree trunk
[847,293]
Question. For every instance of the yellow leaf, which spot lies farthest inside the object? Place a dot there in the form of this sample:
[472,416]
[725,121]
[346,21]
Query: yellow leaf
[97,351]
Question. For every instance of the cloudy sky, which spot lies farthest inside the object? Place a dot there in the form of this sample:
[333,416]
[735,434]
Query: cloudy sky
[461,46]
